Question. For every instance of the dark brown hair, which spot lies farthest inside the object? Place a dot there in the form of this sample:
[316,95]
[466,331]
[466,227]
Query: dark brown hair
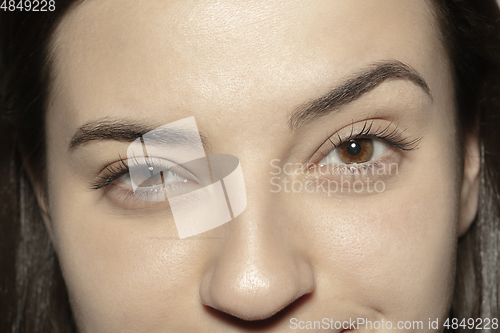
[33,296]
[471,36]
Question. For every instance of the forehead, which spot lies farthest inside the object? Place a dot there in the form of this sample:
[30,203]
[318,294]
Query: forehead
[163,59]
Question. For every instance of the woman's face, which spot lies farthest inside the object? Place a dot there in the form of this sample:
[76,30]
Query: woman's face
[280,85]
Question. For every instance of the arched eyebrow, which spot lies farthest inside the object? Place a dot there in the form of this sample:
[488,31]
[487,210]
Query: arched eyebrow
[125,130]
[355,87]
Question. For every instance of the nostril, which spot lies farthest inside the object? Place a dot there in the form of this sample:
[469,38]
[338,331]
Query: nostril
[269,322]
[253,308]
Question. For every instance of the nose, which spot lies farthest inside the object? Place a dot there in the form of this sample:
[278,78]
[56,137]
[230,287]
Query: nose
[256,272]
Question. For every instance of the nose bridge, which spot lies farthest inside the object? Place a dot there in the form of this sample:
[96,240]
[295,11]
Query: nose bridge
[257,272]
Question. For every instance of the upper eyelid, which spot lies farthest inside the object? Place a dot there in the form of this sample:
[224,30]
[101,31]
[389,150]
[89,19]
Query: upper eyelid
[385,133]
[336,134]
[337,131]
[393,137]
[352,134]
[148,161]
[105,178]
[145,161]
[114,170]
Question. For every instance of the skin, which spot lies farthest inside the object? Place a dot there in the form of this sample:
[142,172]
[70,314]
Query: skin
[241,68]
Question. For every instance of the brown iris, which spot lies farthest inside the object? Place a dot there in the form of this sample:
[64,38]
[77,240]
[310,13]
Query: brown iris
[356,151]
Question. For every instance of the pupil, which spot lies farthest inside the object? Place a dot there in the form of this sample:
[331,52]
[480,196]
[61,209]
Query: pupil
[149,172]
[353,148]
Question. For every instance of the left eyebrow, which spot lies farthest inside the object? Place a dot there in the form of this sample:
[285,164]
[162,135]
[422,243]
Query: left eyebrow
[126,130]
[355,87]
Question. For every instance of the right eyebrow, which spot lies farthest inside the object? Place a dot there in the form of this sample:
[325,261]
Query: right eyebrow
[125,130]
[355,87]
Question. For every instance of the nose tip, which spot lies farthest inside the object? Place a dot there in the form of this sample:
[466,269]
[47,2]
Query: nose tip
[255,290]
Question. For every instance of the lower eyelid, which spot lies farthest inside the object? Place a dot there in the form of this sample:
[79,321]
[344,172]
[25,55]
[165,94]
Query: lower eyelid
[384,167]
[123,196]
[119,192]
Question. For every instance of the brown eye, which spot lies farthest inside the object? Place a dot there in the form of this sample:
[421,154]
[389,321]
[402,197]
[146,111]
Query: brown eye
[356,151]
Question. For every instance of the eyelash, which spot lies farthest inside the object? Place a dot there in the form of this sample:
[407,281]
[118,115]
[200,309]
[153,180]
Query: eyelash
[115,172]
[393,137]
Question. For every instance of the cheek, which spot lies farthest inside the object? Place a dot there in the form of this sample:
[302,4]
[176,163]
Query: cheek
[120,268]
[117,274]
[393,251]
